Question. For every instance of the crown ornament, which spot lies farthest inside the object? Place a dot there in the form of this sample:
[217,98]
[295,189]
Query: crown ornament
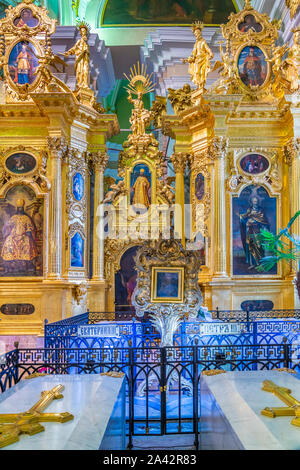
[83,24]
[197,25]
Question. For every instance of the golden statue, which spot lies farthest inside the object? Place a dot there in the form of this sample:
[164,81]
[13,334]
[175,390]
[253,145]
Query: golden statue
[139,84]
[199,60]
[290,66]
[293,5]
[81,50]
[140,116]
[141,188]
[19,238]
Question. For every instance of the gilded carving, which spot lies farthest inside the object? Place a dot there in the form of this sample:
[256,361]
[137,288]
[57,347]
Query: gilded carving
[199,60]
[181,98]
[167,253]
[179,160]
[293,5]
[291,150]
[79,292]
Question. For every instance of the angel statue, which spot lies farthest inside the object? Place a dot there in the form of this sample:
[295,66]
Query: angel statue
[81,50]
[114,191]
[45,62]
[290,66]
[199,60]
[19,250]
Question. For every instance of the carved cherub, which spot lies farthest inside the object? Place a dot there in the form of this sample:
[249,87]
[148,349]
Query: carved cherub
[115,190]
[168,192]
[180,99]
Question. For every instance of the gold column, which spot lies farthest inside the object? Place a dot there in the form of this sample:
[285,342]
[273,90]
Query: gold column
[179,161]
[292,157]
[218,151]
[99,161]
[57,147]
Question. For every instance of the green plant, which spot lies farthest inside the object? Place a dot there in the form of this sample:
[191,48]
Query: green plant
[75,7]
[282,247]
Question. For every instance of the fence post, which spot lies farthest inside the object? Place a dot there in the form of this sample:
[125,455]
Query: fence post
[163,389]
[16,345]
[130,395]
[195,394]
[286,352]
[45,334]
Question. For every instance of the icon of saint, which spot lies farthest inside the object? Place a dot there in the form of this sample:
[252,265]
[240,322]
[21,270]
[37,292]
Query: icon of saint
[19,248]
[253,68]
[251,224]
[141,189]
[26,18]
[24,66]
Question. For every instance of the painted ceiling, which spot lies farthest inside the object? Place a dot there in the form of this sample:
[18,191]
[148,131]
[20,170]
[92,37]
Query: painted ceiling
[162,12]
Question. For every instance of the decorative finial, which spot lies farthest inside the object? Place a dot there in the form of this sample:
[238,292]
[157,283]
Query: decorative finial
[139,80]
[248,5]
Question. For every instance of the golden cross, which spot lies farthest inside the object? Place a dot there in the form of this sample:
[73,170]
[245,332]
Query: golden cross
[284,394]
[29,421]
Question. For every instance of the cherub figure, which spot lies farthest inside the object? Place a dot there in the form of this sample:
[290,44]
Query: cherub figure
[115,190]
[180,99]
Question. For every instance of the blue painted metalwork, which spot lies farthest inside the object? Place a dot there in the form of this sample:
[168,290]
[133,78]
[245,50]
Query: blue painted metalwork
[253,328]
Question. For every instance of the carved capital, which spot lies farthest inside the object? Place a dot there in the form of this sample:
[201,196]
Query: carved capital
[98,160]
[218,147]
[58,146]
[291,150]
[179,161]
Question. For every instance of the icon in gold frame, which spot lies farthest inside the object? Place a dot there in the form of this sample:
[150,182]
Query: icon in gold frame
[167,284]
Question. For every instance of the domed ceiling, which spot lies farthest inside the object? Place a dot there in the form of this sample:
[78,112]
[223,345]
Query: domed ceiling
[166,12]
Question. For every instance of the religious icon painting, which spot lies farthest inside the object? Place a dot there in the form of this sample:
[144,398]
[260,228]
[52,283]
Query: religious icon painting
[254,164]
[20,163]
[26,18]
[78,186]
[77,251]
[252,211]
[22,63]
[167,284]
[140,187]
[250,24]
[252,66]
[199,187]
[21,229]
[125,280]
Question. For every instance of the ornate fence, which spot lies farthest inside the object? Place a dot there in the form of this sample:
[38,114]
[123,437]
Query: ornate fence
[152,374]
[230,328]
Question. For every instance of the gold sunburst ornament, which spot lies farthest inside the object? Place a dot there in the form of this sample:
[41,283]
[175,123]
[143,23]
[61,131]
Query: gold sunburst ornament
[139,80]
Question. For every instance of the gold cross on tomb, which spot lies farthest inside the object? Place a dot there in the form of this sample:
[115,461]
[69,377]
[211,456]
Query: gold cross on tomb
[284,394]
[29,421]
